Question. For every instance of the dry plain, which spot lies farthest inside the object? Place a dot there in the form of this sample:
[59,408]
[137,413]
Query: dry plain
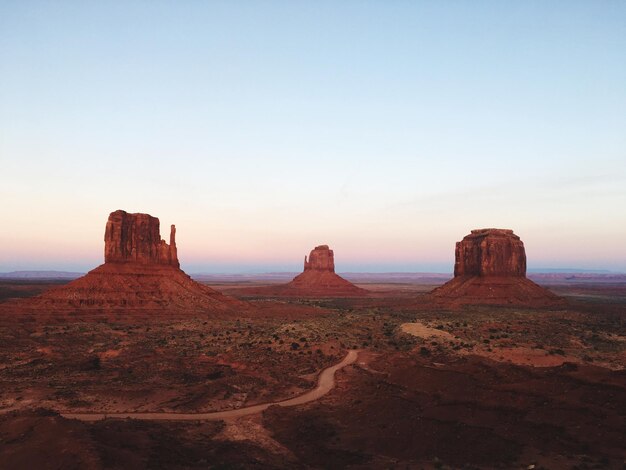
[474,387]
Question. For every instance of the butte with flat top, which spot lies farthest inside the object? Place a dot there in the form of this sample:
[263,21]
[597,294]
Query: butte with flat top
[318,279]
[140,272]
[490,268]
[319,275]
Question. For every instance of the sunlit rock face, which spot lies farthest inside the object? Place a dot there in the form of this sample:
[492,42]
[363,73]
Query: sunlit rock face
[490,268]
[490,252]
[140,272]
[136,238]
[321,258]
[319,278]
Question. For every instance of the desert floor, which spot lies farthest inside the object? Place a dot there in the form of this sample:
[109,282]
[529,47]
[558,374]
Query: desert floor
[477,387]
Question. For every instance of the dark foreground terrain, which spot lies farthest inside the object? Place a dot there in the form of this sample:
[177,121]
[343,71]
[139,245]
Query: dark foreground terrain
[477,387]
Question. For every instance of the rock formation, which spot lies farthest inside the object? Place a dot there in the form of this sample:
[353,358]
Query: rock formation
[490,252]
[140,272]
[136,238]
[321,258]
[490,268]
[319,278]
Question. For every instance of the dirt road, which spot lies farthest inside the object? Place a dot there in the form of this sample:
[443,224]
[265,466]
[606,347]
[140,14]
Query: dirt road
[325,383]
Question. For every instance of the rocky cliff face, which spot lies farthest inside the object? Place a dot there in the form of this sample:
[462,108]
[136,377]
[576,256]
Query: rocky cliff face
[490,252]
[136,238]
[490,268]
[140,273]
[319,278]
[321,258]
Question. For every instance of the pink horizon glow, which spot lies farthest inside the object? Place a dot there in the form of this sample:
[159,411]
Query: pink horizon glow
[225,251]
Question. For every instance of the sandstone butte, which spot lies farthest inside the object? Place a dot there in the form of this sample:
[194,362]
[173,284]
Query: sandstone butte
[140,272]
[319,277]
[490,268]
[317,280]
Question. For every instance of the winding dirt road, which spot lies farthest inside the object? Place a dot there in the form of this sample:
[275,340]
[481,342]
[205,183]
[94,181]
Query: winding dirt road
[325,383]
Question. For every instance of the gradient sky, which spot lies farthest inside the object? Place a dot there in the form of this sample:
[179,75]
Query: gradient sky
[386,129]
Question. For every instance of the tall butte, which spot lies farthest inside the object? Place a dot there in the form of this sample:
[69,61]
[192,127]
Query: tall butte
[136,238]
[319,277]
[490,268]
[140,272]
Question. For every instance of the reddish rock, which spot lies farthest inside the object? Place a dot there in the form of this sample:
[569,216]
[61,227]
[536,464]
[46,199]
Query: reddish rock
[136,238]
[140,272]
[321,258]
[490,252]
[319,278]
[490,268]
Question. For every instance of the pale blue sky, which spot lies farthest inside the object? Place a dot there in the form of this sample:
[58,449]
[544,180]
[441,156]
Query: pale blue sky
[386,129]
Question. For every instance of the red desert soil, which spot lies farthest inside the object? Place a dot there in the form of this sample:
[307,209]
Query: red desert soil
[435,400]
[325,383]
[409,411]
[514,354]
[40,439]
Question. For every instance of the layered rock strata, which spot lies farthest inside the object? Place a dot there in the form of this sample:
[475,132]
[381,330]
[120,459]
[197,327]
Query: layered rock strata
[321,258]
[141,272]
[136,238]
[490,268]
[319,277]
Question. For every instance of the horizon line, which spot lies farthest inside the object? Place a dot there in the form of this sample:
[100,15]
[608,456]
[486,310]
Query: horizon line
[243,273]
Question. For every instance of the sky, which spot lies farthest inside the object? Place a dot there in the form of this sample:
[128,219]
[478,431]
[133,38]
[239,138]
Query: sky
[385,129]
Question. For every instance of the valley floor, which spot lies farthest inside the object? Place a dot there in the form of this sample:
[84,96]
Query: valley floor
[477,387]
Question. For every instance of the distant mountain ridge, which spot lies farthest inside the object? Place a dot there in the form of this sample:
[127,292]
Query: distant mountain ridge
[399,277]
[41,275]
[570,271]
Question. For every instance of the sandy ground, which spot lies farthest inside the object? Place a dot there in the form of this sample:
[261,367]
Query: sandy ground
[516,355]
[425,332]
